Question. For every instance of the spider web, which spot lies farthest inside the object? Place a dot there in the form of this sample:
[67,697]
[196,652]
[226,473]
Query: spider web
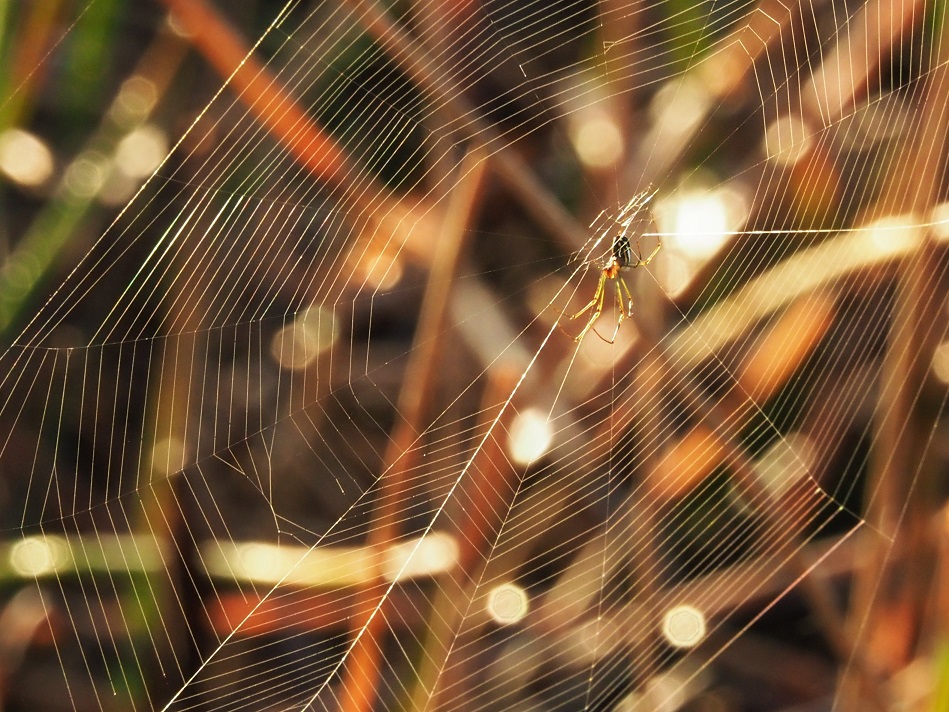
[307,425]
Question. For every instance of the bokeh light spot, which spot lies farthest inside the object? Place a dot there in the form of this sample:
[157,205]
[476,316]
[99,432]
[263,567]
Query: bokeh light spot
[683,626]
[530,436]
[507,603]
[24,158]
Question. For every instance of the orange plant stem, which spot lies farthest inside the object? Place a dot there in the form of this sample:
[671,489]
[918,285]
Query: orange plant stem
[261,91]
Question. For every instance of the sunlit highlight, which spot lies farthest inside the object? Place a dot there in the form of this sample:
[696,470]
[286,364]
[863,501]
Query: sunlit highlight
[891,236]
[266,562]
[135,100]
[381,270]
[141,151]
[683,626]
[941,362]
[20,273]
[168,456]
[530,436]
[674,273]
[24,158]
[508,603]
[313,332]
[85,175]
[665,692]
[698,223]
[786,463]
[787,140]
[597,139]
[415,559]
[38,556]
[940,220]
[270,564]
[331,566]
[678,105]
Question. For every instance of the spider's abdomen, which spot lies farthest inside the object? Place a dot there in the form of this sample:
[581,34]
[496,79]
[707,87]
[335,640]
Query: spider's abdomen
[622,251]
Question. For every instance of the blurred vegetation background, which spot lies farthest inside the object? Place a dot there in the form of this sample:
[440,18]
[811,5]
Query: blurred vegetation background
[219,451]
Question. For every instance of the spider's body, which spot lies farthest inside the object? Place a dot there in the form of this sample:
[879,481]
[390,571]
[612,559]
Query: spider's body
[621,258]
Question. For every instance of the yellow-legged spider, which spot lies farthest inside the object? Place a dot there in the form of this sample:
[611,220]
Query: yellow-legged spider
[621,258]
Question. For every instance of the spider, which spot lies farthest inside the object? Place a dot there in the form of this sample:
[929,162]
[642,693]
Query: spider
[620,259]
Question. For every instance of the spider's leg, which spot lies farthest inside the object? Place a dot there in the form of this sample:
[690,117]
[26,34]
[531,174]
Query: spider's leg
[620,308]
[628,311]
[598,300]
[596,296]
[625,310]
[640,262]
[587,308]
